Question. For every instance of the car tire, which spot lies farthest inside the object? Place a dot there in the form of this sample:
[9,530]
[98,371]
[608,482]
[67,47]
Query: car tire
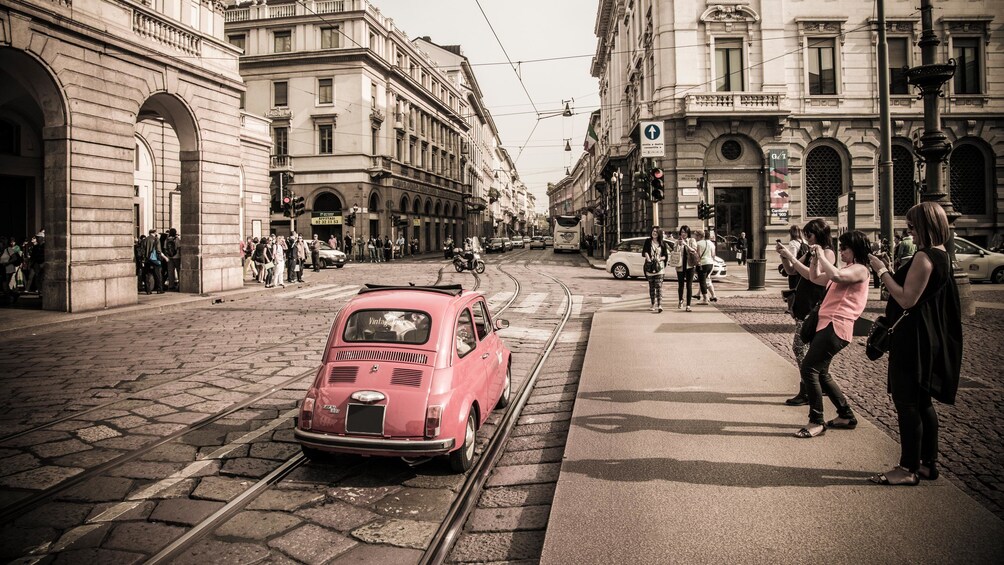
[322,263]
[339,266]
[316,455]
[462,459]
[998,276]
[506,390]
[619,271]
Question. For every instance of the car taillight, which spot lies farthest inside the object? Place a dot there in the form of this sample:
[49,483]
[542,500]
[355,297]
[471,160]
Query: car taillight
[433,419]
[307,413]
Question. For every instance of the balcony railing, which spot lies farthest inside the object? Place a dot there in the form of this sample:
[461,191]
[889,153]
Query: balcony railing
[723,103]
[281,163]
[307,8]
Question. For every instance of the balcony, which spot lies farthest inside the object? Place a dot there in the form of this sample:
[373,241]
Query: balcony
[263,11]
[734,105]
[381,167]
[280,163]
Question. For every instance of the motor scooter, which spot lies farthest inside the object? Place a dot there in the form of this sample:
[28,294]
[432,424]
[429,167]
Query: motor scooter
[467,260]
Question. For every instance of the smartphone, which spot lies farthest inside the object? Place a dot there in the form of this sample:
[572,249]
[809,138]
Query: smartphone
[778,242]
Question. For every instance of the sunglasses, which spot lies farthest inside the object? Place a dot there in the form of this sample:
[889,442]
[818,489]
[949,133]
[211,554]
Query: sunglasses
[909,226]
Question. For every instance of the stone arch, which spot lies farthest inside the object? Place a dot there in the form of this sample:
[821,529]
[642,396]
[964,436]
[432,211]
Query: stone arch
[34,96]
[826,175]
[904,191]
[168,109]
[417,206]
[439,208]
[456,210]
[405,203]
[327,201]
[374,201]
[971,165]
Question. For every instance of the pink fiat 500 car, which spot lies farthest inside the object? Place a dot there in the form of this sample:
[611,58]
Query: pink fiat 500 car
[407,371]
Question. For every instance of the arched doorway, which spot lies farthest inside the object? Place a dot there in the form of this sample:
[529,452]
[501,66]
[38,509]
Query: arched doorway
[416,228]
[428,226]
[34,192]
[732,164]
[326,218]
[374,210]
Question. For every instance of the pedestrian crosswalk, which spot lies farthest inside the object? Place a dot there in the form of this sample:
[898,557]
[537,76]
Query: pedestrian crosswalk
[321,292]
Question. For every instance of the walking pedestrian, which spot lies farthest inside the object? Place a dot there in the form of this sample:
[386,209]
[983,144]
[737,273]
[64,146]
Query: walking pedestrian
[705,264]
[388,249]
[741,245]
[172,249]
[845,299]
[685,269]
[291,258]
[259,258]
[400,246]
[11,260]
[279,258]
[656,254]
[268,254]
[925,353]
[333,242]
[249,266]
[348,248]
[807,293]
[300,258]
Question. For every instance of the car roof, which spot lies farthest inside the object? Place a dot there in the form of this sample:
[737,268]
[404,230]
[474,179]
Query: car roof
[428,298]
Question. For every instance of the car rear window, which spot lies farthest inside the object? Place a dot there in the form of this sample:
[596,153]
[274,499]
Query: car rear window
[388,326]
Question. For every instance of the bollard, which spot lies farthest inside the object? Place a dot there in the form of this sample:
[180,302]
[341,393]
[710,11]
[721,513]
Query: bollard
[757,271]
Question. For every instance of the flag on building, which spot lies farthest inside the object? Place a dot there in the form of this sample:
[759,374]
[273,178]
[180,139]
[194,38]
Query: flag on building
[591,138]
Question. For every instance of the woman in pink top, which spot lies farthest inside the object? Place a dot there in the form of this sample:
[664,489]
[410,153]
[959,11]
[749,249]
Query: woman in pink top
[846,296]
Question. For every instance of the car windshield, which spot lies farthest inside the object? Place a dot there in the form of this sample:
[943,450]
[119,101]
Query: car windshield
[394,326]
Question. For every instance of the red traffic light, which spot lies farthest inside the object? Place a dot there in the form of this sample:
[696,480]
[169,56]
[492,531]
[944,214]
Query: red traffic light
[657,173]
[286,200]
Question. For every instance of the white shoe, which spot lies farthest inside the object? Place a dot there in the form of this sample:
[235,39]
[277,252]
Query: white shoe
[651,308]
[688,309]
[681,305]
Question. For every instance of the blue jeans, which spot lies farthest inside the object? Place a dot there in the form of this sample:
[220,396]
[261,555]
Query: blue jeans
[816,375]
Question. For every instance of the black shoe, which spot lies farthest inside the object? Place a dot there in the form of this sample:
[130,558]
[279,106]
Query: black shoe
[797,400]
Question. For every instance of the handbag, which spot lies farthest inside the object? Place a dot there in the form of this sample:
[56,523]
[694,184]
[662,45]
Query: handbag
[652,266]
[269,265]
[880,335]
[676,258]
[809,324]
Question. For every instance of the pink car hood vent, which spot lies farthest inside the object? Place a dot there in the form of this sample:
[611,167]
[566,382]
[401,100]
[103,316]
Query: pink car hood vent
[401,356]
[406,377]
[342,375]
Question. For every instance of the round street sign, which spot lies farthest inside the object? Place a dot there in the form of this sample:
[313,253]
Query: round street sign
[653,131]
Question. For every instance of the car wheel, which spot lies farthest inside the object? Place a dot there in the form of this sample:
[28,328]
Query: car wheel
[462,459]
[619,271]
[339,266]
[998,276]
[506,390]
[315,455]
[322,263]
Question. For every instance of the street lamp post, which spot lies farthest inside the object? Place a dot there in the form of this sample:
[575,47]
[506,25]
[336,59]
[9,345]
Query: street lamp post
[930,77]
[355,214]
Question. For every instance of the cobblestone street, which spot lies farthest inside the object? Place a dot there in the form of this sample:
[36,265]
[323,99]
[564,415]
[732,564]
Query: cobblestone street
[972,450]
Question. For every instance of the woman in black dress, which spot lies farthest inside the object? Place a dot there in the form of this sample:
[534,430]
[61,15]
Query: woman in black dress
[925,354]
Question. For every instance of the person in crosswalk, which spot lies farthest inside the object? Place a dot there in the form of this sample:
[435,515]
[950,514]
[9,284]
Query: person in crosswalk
[279,258]
[656,253]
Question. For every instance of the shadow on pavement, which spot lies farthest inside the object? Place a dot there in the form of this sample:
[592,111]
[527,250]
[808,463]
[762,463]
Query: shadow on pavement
[626,423]
[698,397]
[749,475]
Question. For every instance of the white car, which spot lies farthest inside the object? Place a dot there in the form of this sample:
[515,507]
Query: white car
[626,261]
[979,263]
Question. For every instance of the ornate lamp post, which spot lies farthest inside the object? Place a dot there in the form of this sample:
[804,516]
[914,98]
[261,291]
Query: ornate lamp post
[930,77]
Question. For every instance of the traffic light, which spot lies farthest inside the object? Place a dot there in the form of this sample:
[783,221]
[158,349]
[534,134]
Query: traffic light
[657,185]
[298,206]
[398,221]
[287,206]
[701,210]
[350,220]
[639,181]
[709,212]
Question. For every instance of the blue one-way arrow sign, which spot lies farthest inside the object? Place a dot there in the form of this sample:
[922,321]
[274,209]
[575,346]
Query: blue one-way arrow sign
[652,144]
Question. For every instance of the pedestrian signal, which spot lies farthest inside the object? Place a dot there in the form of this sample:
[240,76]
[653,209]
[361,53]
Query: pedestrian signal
[658,186]
[298,206]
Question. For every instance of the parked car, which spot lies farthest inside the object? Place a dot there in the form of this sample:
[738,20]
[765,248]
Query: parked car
[495,245]
[409,371]
[518,242]
[330,257]
[526,240]
[507,243]
[979,263]
[626,260]
[537,242]
[548,241]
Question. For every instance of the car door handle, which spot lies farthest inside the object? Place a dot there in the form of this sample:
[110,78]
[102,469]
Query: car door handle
[485,356]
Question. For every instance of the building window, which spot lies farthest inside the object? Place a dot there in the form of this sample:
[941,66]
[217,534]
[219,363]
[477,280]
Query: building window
[822,67]
[373,95]
[968,177]
[899,61]
[823,182]
[280,94]
[903,190]
[399,149]
[324,91]
[374,138]
[325,139]
[280,137]
[283,41]
[330,37]
[237,40]
[967,70]
[729,65]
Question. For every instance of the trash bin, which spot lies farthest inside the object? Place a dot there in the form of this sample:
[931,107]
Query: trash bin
[757,270]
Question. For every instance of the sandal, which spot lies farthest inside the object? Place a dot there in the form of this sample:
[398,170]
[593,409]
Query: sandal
[842,423]
[895,477]
[928,471]
[812,430]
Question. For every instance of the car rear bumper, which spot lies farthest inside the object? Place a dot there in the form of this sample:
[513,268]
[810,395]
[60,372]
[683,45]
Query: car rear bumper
[373,446]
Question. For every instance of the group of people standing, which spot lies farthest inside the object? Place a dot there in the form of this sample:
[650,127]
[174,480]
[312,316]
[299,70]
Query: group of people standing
[158,257]
[22,267]
[275,260]
[925,351]
[688,253]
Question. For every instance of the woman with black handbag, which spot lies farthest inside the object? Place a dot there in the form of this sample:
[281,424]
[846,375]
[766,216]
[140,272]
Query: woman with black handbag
[656,256]
[845,300]
[925,352]
[807,293]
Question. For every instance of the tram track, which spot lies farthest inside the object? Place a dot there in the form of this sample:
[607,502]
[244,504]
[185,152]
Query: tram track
[468,494]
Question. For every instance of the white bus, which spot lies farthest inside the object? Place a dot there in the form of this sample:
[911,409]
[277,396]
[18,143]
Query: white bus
[566,233]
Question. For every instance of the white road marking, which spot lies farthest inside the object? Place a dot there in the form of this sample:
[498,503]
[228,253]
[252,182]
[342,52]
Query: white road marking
[576,305]
[343,294]
[290,293]
[531,303]
[327,290]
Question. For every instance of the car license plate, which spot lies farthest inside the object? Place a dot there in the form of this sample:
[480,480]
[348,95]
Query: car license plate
[364,419]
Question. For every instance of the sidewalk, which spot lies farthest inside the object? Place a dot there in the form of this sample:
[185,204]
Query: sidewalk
[682,452]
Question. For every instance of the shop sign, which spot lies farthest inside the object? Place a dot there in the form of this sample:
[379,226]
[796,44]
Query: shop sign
[777,182]
[325,218]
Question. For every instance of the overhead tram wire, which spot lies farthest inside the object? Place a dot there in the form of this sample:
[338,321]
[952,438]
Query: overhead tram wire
[504,52]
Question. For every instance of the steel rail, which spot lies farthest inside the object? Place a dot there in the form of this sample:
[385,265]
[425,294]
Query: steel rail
[468,495]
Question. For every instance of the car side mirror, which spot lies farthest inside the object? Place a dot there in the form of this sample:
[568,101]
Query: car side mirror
[501,324]
[982,253]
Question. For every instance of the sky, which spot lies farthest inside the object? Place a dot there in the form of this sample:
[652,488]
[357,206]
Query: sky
[529,30]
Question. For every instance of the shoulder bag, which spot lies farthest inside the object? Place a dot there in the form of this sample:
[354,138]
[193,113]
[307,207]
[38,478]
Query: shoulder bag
[810,321]
[880,335]
[676,257]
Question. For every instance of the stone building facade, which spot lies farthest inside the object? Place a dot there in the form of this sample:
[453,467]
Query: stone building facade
[735,82]
[120,116]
